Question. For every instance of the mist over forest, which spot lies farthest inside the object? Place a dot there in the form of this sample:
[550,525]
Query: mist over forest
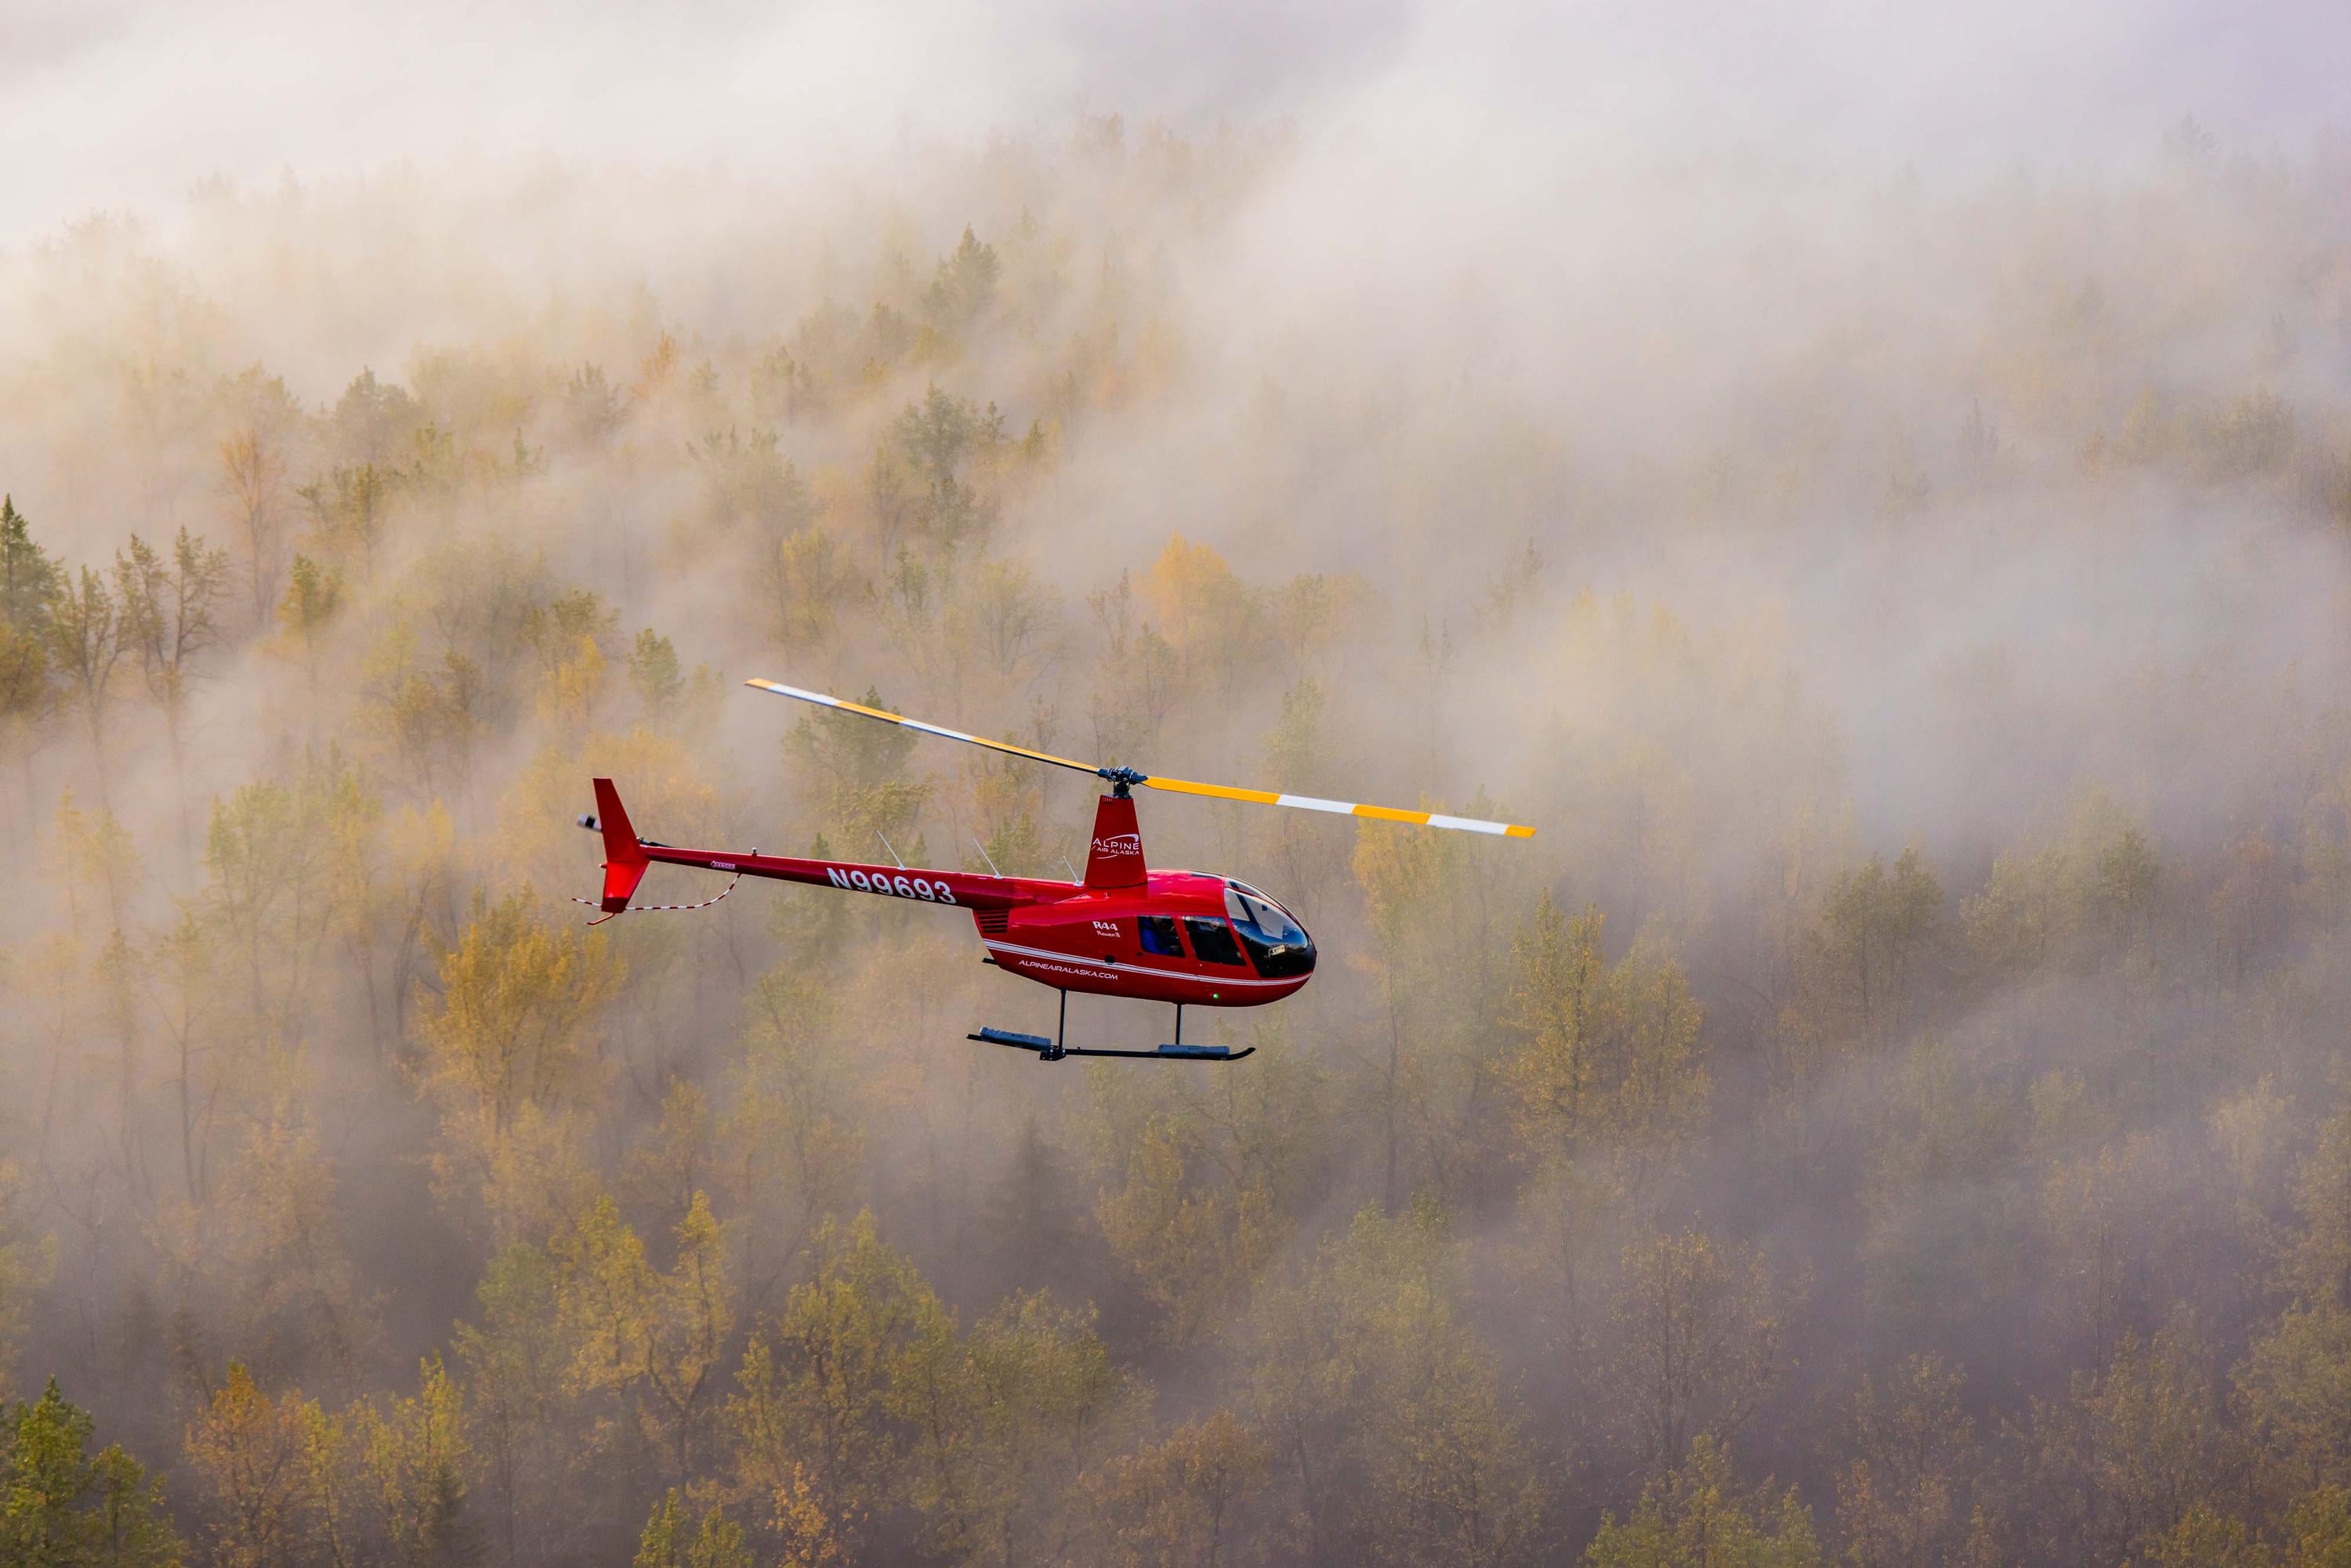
[1894,1111]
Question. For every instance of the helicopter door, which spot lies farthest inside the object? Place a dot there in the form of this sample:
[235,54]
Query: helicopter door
[1157,935]
[1212,941]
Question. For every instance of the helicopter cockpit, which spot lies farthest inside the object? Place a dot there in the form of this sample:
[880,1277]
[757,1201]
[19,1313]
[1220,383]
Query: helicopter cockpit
[1278,946]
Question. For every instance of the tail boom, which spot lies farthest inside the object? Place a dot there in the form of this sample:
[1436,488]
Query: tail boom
[627,857]
[957,889]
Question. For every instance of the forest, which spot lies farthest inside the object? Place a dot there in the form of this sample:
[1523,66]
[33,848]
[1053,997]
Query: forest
[1895,1112]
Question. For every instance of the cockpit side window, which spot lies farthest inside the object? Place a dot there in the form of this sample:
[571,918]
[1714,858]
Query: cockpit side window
[1212,940]
[1157,935]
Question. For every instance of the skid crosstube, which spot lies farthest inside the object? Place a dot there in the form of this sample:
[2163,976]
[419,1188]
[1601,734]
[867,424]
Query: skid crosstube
[1047,1052]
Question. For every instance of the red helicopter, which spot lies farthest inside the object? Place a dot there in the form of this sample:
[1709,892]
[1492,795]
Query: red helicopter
[1124,930]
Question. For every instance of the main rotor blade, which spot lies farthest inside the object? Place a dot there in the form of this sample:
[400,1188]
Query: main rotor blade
[1173,786]
[1005,746]
[1340,808]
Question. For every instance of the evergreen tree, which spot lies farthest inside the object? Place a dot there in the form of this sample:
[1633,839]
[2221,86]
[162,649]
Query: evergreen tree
[62,1507]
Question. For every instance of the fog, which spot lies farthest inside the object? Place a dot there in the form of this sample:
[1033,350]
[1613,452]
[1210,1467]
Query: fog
[1870,487]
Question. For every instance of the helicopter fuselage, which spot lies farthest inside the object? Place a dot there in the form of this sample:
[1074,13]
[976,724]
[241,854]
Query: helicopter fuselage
[1101,941]
[1179,937]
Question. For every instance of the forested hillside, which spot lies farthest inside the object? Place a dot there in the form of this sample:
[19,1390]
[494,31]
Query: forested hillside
[1896,1111]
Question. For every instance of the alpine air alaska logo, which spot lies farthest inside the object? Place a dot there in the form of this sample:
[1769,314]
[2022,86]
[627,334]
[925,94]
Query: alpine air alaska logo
[1117,844]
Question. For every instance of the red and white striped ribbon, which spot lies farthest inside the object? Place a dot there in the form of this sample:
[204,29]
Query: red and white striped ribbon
[658,908]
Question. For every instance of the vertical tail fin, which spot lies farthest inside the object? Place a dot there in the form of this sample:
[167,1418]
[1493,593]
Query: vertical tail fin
[624,861]
[1116,857]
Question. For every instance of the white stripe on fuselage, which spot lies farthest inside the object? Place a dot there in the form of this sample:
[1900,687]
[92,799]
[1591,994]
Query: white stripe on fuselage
[1127,968]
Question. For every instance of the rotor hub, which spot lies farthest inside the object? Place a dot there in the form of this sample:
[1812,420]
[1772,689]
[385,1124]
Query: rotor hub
[1123,780]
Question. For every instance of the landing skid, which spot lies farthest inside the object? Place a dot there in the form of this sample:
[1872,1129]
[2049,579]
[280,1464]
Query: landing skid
[1053,1049]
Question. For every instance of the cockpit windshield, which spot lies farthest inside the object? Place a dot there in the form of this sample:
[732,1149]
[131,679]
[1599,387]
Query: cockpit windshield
[1277,945]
